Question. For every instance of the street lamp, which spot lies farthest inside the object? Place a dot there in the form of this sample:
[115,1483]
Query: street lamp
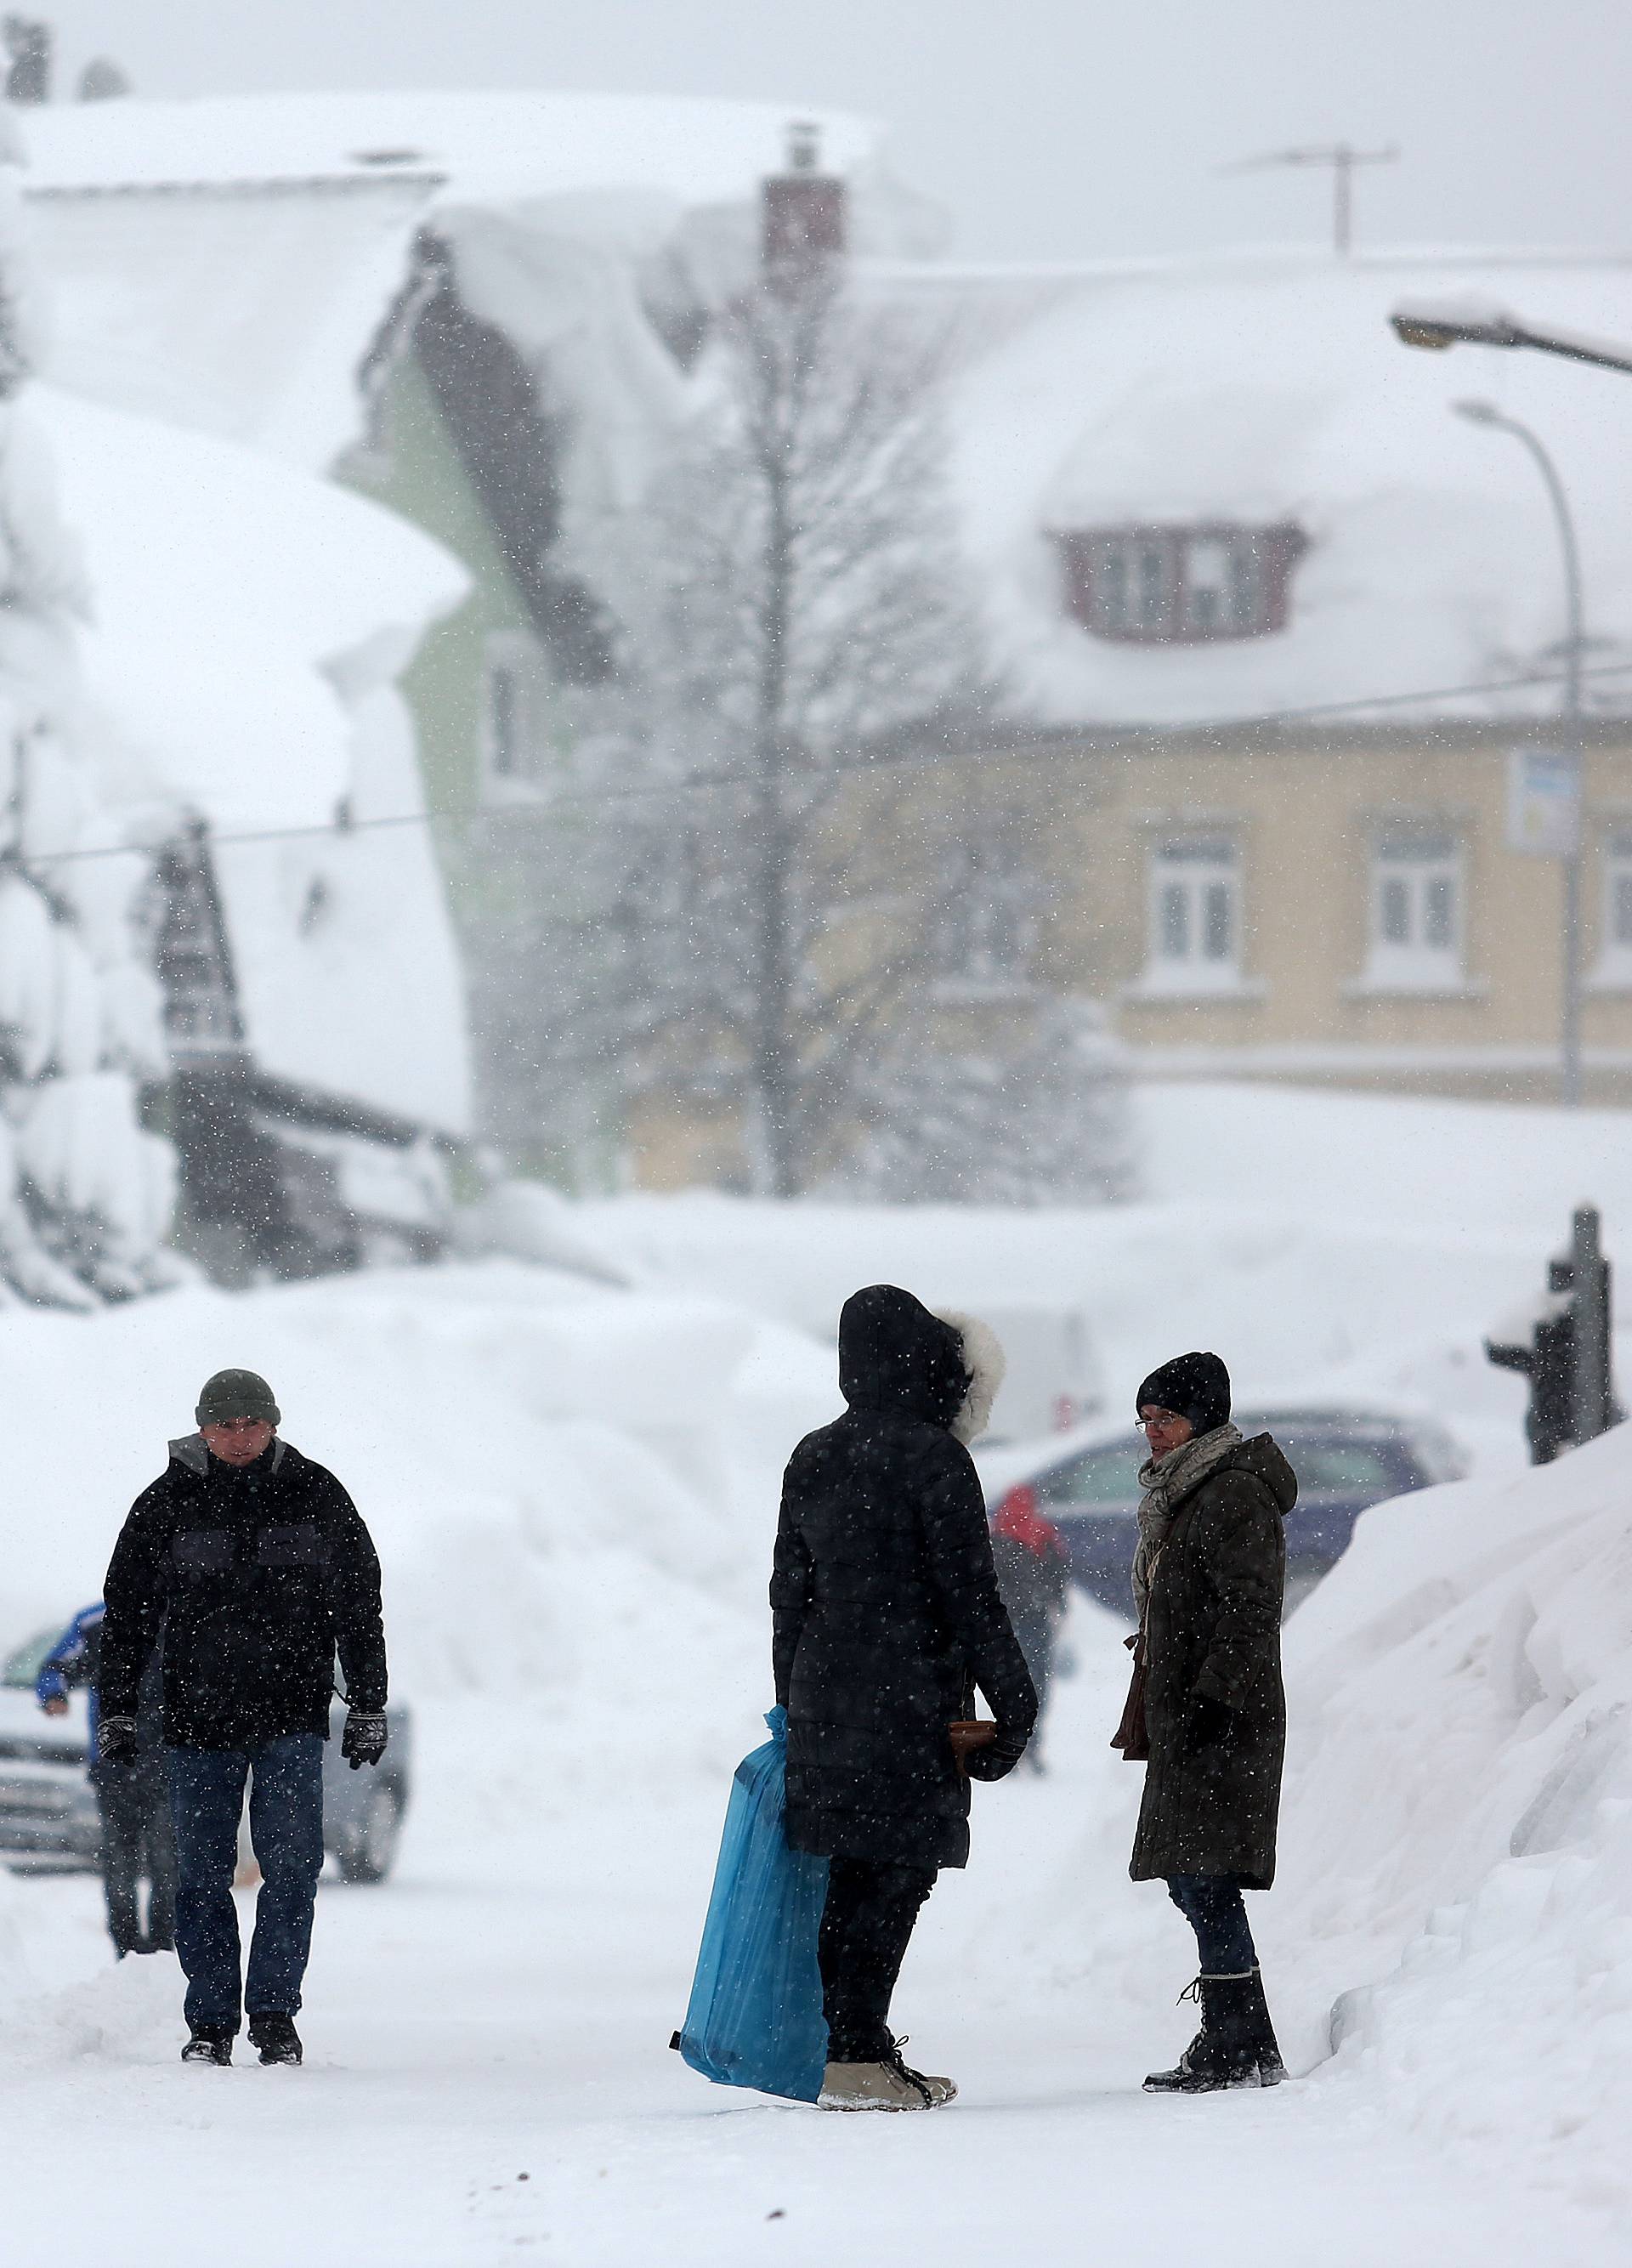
[1486,413]
[1440,323]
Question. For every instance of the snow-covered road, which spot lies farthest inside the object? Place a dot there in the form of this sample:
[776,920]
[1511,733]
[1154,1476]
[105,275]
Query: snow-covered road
[488,2074]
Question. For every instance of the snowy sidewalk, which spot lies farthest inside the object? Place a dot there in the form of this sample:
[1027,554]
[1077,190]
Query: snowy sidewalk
[503,2010]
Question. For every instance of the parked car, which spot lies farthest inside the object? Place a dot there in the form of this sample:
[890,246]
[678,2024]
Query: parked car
[47,1812]
[1346,1459]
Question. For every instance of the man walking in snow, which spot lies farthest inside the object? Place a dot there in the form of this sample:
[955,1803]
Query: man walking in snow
[259,1567]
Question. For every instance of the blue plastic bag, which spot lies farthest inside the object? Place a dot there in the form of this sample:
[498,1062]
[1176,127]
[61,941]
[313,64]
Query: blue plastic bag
[754,2018]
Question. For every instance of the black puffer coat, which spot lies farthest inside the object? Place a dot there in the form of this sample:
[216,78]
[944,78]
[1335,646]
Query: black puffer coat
[257,1577]
[1213,1636]
[887,1613]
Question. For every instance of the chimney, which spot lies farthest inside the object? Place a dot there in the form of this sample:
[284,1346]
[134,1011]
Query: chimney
[804,223]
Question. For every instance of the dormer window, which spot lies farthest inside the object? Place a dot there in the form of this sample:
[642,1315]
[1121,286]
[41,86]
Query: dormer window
[1180,585]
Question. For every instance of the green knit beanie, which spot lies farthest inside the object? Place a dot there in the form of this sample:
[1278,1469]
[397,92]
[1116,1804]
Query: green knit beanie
[236,1393]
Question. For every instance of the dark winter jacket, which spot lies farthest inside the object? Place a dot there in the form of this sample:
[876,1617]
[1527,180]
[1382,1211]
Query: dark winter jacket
[1214,1703]
[887,1613]
[258,1576]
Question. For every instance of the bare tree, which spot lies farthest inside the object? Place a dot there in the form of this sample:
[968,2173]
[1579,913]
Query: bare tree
[757,895]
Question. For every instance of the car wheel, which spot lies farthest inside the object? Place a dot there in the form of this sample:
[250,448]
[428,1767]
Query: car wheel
[371,1855]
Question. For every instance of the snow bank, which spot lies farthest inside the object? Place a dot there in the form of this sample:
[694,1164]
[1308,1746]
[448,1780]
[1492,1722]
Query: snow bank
[1459,1808]
[569,1486]
[1357,1246]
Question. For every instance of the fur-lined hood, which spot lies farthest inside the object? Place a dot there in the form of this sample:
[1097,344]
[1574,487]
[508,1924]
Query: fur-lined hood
[985,1361]
[898,1357]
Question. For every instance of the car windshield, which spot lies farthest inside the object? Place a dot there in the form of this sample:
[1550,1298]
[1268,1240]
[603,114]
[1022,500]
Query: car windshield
[1108,1475]
[1332,1465]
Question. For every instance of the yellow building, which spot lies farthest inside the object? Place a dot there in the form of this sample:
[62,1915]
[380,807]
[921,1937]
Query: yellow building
[1346,908]
[1277,623]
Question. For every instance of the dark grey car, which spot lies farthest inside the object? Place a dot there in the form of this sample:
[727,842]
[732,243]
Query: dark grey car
[48,1811]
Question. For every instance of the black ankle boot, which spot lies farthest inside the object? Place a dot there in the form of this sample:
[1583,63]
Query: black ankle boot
[209,2044]
[275,2035]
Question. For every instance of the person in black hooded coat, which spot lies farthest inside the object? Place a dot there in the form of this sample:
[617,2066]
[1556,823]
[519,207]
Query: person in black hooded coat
[887,1615]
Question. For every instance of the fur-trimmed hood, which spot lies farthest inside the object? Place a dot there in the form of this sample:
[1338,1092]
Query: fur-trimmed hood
[898,1357]
[985,1361]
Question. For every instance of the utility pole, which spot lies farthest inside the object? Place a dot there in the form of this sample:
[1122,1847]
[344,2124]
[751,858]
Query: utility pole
[1341,158]
[1573,849]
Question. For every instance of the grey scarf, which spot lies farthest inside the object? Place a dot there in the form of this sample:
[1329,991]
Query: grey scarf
[1166,1481]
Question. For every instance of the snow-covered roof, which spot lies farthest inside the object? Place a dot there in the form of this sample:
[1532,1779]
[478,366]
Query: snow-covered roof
[243,312]
[225,263]
[488,147]
[1269,387]
[248,622]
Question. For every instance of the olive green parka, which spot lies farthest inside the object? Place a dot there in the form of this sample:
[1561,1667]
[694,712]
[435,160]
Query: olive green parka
[1212,1635]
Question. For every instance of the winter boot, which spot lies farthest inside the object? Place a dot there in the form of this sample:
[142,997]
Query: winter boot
[1260,2034]
[209,2044]
[889,2085]
[1236,2045]
[275,2035]
[1172,2083]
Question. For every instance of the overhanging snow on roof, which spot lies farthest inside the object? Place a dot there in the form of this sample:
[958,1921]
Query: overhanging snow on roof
[1270,388]
[249,623]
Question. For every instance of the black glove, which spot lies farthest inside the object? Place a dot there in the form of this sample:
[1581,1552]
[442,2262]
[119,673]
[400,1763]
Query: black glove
[1209,1724]
[116,1741]
[363,1739]
[999,1757]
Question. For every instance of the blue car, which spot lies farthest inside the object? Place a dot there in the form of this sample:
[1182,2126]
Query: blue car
[1345,1459]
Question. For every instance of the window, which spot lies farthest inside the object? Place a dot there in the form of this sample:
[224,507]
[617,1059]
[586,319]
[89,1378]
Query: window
[1194,913]
[1615,944]
[987,926]
[504,720]
[1416,909]
[514,711]
[1181,585]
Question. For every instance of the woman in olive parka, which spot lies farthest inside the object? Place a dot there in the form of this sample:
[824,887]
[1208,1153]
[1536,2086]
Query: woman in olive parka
[1209,1578]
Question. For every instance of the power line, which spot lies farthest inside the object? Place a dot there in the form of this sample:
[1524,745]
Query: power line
[923,760]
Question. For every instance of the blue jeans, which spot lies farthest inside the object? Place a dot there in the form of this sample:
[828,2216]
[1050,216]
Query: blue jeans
[1211,1903]
[286,1827]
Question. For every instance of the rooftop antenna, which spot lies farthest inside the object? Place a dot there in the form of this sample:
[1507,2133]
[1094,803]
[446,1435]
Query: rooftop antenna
[1343,158]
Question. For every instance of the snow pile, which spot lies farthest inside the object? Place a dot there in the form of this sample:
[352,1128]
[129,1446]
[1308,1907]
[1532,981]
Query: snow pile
[1459,1812]
[573,1489]
[1327,1244]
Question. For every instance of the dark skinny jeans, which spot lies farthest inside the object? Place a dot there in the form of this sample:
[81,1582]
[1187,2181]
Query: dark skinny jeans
[1211,1903]
[866,1924]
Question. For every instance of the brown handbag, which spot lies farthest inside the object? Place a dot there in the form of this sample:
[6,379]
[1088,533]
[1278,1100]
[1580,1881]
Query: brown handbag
[1132,1736]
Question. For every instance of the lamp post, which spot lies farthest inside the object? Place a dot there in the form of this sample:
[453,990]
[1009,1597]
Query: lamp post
[1486,413]
[1441,323]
